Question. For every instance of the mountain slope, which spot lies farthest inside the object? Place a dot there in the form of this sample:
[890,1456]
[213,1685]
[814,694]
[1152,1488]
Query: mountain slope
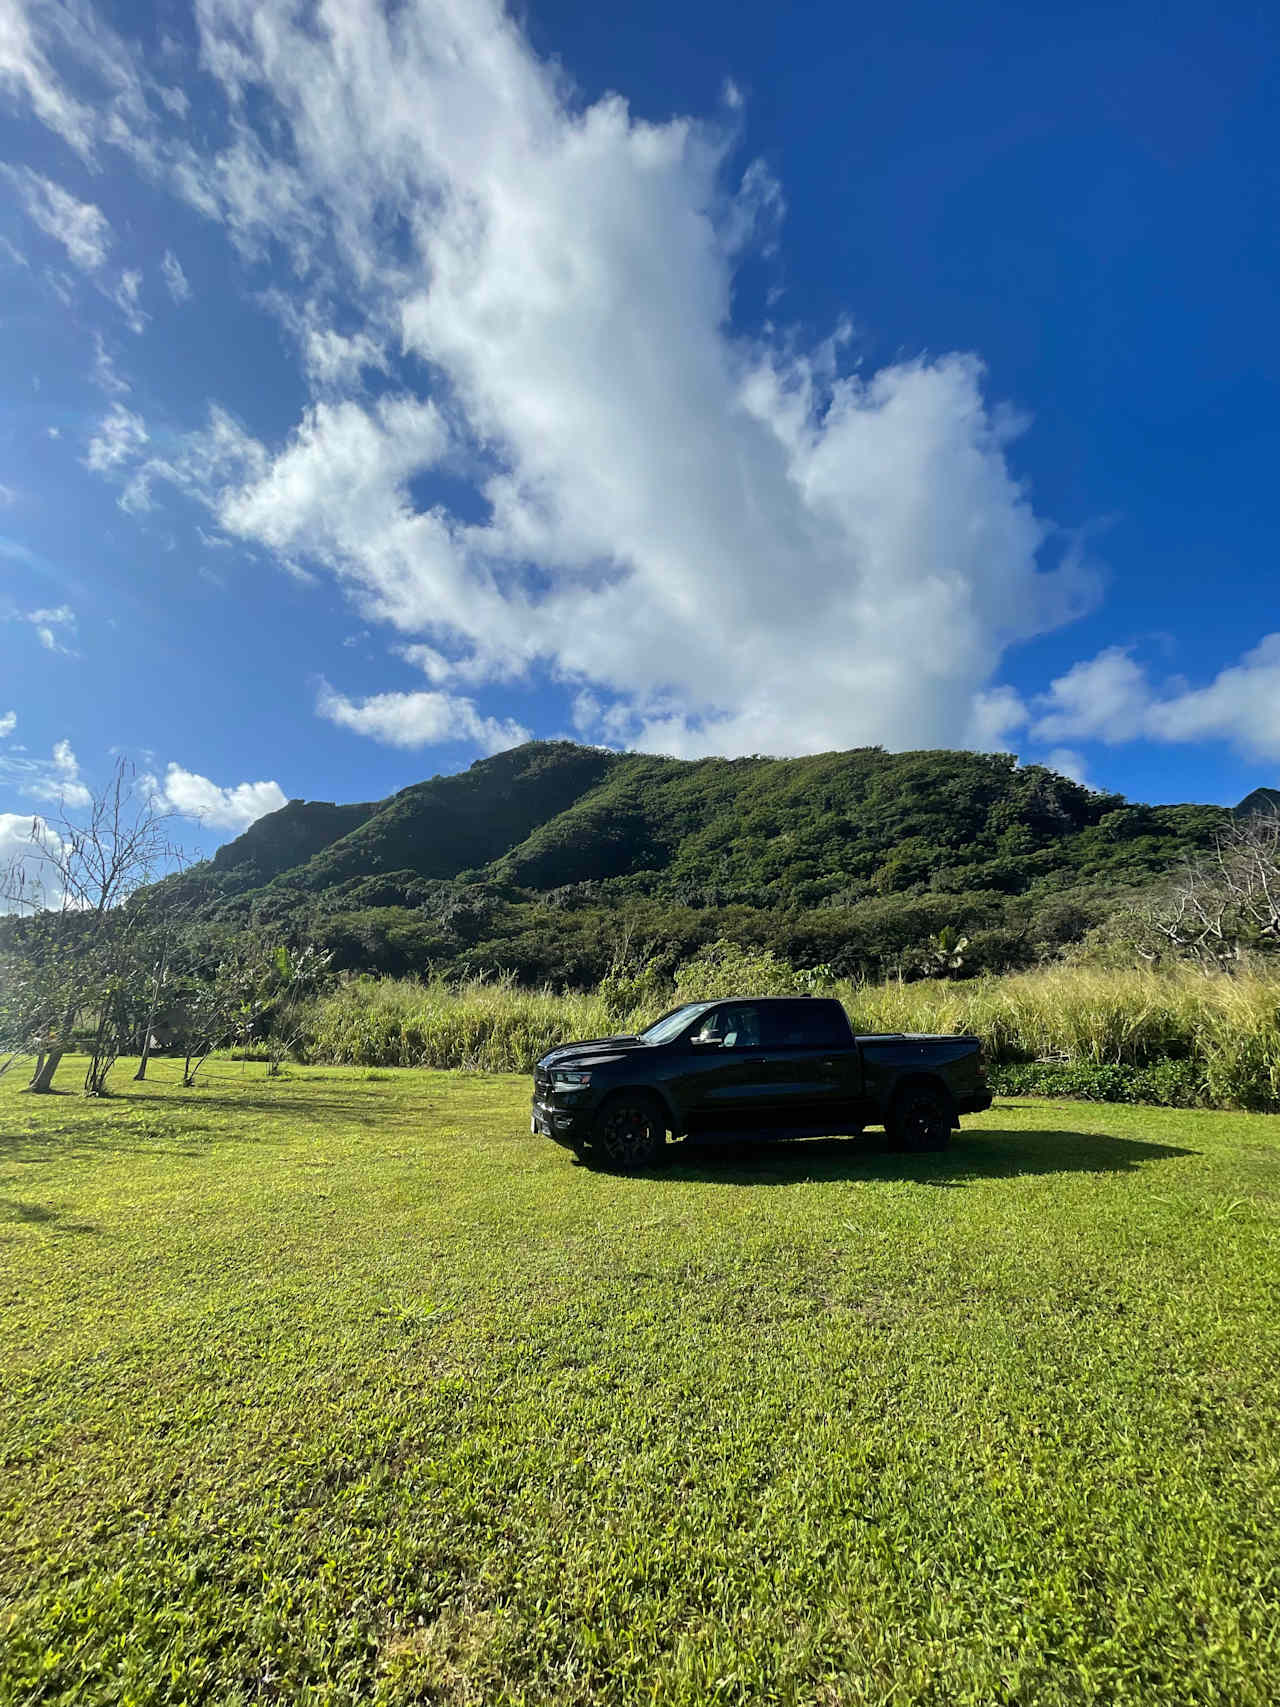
[542,858]
[1260,800]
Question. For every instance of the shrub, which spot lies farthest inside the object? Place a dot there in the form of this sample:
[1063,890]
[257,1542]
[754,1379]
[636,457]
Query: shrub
[1166,1084]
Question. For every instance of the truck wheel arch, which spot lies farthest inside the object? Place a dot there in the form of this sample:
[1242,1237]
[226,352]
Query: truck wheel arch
[918,1081]
[650,1093]
[914,1082]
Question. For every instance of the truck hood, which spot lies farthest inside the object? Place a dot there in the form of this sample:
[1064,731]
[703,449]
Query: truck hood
[590,1050]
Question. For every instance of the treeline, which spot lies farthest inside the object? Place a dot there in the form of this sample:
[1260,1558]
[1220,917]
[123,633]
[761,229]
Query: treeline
[536,861]
[98,958]
[102,956]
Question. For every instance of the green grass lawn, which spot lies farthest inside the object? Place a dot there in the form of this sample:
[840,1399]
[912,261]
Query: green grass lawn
[343,1388]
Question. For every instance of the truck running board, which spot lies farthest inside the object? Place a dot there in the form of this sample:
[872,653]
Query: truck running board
[766,1134]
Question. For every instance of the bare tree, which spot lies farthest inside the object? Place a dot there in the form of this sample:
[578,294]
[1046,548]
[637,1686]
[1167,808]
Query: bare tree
[1227,905]
[84,933]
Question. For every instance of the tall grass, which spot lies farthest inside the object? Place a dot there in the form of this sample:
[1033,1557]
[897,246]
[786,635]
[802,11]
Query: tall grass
[489,1026]
[1223,1029]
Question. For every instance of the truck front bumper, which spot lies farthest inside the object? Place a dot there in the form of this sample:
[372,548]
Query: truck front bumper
[565,1125]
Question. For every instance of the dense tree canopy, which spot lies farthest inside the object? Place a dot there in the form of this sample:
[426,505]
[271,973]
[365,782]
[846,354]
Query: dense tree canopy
[541,859]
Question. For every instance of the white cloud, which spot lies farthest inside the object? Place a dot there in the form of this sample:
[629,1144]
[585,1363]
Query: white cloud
[434,666]
[1111,698]
[194,796]
[1105,698]
[27,877]
[125,297]
[104,370]
[210,462]
[124,107]
[734,546]
[1067,762]
[1241,704]
[46,622]
[8,723]
[728,545]
[25,68]
[82,229]
[120,437]
[419,720]
[175,279]
[331,359]
[56,779]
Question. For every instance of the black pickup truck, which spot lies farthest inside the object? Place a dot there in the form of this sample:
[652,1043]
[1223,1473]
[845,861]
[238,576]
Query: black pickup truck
[781,1066]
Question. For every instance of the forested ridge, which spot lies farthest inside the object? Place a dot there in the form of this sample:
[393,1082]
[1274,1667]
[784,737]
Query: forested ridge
[544,859]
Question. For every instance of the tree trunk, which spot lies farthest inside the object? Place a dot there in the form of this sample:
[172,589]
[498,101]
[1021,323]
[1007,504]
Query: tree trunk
[93,1073]
[46,1067]
[151,1018]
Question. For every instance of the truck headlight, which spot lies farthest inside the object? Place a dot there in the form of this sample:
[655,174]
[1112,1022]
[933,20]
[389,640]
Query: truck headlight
[569,1081]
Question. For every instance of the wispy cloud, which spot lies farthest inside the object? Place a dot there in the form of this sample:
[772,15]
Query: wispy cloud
[47,623]
[125,296]
[55,780]
[174,277]
[25,67]
[120,437]
[104,372]
[53,625]
[81,228]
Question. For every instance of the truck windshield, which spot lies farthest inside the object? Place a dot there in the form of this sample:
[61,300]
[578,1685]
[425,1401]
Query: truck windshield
[664,1029]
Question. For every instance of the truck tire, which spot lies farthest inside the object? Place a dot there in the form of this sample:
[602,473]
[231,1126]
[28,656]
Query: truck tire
[920,1118]
[630,1131]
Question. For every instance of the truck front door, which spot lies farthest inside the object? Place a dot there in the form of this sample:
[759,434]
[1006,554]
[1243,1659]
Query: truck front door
[769,1066]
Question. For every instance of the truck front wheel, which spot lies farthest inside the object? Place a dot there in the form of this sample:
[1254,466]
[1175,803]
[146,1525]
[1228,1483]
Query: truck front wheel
[630,1131]
[920,1119]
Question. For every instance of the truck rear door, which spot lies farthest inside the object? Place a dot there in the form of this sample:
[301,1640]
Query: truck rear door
[815,1065]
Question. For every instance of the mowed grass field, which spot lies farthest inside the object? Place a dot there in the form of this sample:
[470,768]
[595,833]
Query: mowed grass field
[342,1388]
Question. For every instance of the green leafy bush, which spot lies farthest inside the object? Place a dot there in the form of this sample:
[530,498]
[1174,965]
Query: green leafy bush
[1166,1084]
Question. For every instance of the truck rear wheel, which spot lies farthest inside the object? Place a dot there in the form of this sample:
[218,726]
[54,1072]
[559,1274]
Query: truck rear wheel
[920,1119]
[630,1131]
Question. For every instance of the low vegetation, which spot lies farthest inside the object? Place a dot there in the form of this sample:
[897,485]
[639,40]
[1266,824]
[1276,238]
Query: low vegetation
[827,868]
[338,1387]
[1180,1036]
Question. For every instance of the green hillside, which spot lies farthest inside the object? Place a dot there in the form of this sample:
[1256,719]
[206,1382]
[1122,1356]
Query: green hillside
[1260,800]
[542,859]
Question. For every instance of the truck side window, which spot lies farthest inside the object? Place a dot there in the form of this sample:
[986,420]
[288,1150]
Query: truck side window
[814,1025]
[737,1027]
[742,1028]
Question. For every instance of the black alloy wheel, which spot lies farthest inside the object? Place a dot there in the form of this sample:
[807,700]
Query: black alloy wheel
[630,1132]
[921,1119]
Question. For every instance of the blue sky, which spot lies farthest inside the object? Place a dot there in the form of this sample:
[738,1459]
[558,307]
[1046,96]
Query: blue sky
[381,389]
